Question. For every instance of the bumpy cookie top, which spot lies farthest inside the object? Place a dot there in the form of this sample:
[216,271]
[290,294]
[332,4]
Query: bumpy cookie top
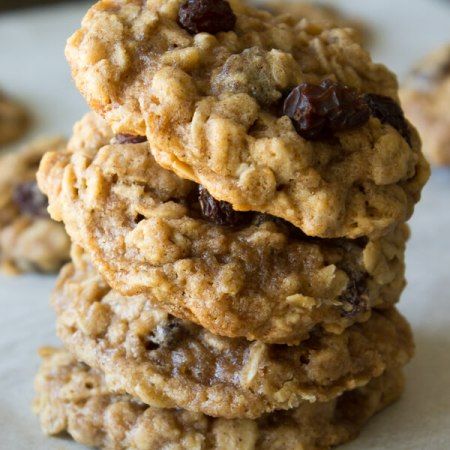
[167,362]
[29,239]
[290,119]
[72,397]
[426,98]
[237,274]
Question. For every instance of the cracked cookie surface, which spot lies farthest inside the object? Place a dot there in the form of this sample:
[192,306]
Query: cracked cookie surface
[14,120]
[29,239]
[168,362]
[146,232]
[72,397]
[425,97]
[210,104]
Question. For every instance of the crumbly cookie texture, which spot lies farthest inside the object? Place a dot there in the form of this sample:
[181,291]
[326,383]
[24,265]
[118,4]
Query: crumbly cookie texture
[426,98]
[328,16]
[74,398]
[14,120]
[167,362]
[29,239]
[210,104]
[263,279]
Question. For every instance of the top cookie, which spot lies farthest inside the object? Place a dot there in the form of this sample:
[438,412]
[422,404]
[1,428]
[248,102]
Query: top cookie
[426,96]
[294,120]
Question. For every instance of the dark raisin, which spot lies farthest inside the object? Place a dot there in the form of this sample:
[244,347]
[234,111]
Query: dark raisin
[361,242]
[319,111]
[348,245]
[30,200]
[388,111]
[139,218]
[355,299]
[220,212]
[284,225]
[150,345]
[129,139]
[206,16]
[167,335]
[304,360]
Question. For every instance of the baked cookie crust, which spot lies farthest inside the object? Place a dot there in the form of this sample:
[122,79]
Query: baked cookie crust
[71,397]
[210,104]
[167,362]
[261,278]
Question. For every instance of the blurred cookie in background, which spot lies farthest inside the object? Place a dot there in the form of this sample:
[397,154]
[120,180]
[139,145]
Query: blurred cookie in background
[426,98]
[29,240]
[14,119]
[329,16]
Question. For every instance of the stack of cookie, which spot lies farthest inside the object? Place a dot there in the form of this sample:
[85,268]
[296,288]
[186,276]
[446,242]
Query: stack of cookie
[237,205]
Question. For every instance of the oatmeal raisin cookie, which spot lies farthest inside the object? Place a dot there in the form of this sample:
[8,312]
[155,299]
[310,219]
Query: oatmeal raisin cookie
[237,274]
[212,105]
[72,397]
[168,362]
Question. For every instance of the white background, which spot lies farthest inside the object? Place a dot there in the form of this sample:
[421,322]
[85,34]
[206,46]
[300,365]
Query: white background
[32,67]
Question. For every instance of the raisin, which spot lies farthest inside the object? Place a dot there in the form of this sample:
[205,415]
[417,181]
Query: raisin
[304,360]
[167,335]
[130,139]
[355,299]
[208,16]
[30,200]
[220,212]
[139,218]
[319,111]
[288,228]
[388,111]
